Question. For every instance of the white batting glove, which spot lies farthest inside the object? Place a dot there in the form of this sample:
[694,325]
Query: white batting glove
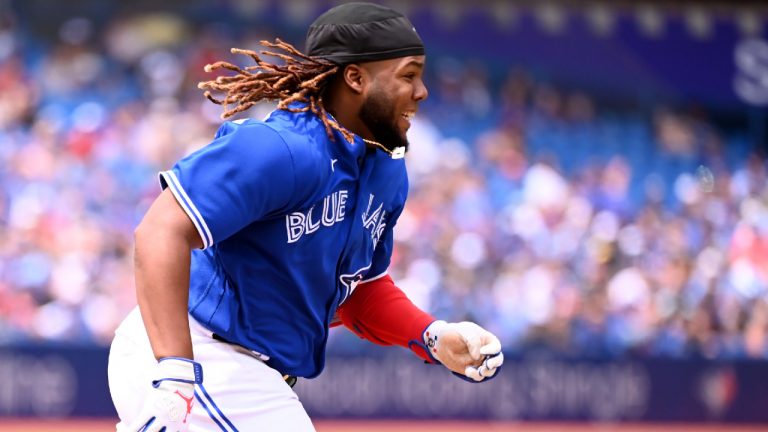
[465,348]
[167,406]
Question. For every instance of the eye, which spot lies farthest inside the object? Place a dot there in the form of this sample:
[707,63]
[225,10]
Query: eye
[409,76]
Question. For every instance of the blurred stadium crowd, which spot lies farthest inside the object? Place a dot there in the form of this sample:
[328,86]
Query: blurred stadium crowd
[533,210]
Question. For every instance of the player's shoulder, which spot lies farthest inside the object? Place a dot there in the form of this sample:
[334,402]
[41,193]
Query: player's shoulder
[249,132]
[296,135]
[274,131]
[305,137]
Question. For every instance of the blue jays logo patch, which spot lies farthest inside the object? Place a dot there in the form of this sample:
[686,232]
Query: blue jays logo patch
[350,281]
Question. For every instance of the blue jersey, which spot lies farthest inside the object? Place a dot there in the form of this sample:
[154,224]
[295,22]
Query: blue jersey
[291,222]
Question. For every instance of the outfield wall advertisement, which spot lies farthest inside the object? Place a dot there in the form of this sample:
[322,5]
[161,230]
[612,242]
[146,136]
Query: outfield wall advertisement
[65,382]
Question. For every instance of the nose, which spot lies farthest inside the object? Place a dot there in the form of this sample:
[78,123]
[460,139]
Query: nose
[420,91]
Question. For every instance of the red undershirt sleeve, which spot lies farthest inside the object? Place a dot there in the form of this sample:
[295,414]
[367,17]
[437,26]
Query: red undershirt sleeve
[380,312]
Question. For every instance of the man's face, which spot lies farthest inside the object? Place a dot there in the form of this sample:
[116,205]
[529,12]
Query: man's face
[392,99]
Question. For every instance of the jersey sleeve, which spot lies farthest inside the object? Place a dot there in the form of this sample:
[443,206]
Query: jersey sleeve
[378,311]
[243,175]
[383,253]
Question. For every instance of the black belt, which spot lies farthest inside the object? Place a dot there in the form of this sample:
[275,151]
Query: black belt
[289,379]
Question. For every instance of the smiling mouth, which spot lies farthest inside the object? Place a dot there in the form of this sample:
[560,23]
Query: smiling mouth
[407,116]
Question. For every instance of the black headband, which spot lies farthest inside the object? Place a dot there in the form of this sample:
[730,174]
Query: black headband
[362,32]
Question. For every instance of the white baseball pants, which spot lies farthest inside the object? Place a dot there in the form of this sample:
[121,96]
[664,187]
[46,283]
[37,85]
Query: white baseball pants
[239,392]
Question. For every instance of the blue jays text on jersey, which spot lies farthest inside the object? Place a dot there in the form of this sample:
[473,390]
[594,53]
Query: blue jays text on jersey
[333,210]
[291,222]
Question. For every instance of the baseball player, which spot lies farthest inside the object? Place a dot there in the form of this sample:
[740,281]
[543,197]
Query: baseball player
[279,230]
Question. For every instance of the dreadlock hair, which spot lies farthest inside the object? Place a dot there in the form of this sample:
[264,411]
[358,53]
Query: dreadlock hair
[300,79]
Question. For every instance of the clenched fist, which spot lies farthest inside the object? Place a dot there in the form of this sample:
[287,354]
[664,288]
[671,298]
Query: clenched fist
[465,348]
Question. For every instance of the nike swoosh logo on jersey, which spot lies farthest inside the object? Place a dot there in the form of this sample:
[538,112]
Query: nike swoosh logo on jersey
[333,162]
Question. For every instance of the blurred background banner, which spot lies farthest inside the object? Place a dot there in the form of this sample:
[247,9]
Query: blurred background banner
[60,382]
[542,388]
[54,382]
[588,181]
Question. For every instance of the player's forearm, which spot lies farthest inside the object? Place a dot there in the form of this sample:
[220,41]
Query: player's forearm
[380,312]
[162,261]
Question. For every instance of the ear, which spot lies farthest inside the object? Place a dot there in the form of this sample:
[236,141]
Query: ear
[355,78]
